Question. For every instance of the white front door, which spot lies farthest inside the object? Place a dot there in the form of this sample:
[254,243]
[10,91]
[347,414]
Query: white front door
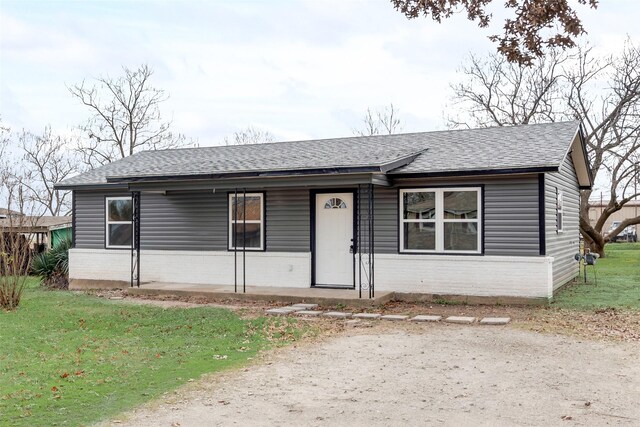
[334,231]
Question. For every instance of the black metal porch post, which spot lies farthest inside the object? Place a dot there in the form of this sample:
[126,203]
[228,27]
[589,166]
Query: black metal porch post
[135,245]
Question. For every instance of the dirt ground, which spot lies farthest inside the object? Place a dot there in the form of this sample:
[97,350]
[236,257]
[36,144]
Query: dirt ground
[426,374]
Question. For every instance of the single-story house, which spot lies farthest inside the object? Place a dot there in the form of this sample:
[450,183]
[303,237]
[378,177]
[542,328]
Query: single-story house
[483,212]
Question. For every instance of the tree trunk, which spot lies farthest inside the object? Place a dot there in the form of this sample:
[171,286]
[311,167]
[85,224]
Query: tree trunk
[597,248]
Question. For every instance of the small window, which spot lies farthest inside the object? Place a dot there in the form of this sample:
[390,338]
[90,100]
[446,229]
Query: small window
[119,222]
[246,221]
[440,220]
[559,210]
[335,203]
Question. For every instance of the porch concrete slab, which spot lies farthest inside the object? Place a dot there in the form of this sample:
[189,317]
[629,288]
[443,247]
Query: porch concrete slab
[337,314]
[308,313]
[305,306]
[367,316]
[495,320]
[214,293]
[394,317]
[460,319]
[277,312]
[426,318]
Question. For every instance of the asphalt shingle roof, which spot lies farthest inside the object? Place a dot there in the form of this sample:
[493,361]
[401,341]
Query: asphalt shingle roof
[498,148]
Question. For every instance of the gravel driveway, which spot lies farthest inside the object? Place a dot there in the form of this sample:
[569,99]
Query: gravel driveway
[419,375]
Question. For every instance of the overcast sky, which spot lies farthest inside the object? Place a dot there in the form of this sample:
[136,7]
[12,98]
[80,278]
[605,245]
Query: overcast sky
[299,69]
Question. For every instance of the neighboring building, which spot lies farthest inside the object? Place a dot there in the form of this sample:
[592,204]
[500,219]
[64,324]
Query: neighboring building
[4,213]
[43,232]
[629,210]
[484,212]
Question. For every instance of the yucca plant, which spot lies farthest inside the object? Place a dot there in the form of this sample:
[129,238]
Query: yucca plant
[53,266]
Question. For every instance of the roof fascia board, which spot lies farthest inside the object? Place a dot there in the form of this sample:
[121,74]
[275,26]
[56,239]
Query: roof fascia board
[476,172]
[247,174]
[580,159]
[108,186]
[258,182]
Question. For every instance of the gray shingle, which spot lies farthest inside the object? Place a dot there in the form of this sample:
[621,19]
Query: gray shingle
[527,146]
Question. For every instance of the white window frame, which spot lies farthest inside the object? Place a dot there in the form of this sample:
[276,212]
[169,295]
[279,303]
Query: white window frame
[439,219]
[559,210]
[107,223]
[253,221]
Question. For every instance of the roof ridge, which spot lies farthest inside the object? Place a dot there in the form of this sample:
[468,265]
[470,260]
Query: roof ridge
[356,137]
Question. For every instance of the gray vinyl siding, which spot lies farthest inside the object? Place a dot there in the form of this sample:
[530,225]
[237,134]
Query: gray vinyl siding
[510,214]
[562,246]
[183,221]
[199,220]
[288,220]
[196,221]
[89,218]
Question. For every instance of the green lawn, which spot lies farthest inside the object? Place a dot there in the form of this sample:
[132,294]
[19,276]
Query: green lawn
[73,359]
[618,283]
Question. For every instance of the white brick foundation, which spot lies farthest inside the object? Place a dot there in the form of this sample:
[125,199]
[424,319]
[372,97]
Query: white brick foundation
[530,277]
[284,269]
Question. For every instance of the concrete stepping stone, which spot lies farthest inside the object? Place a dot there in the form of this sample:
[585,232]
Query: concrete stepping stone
[291,309]
[426,318]
[495,321]
[278,312]
[308,313]
[394,317]
[460,319]
[305,306]
[367,316]
[337,314]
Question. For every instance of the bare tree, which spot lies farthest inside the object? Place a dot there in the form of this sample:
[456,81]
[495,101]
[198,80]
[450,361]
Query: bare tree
[525,35]
[496,92]
[603,92]
[250,135]
[612,125]
[125,117]
[47,160]
[380,122]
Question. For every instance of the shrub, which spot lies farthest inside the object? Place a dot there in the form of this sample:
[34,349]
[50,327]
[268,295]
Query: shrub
[14,263]
[53,266]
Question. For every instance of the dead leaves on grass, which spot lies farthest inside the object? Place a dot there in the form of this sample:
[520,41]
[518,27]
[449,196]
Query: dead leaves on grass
[607,323]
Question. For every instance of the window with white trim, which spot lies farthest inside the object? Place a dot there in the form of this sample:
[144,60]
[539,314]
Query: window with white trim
[119,222]
[440,220]
[246,221]
[559,210]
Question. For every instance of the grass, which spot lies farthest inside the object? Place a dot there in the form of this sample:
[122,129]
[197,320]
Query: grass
[73,359]
[618,282]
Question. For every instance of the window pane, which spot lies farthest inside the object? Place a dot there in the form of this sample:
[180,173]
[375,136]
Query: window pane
[251,235]
[460,236]
[419,205]
[460,204]
[250,206]
[420,235]
[120,234]
[120,210]
[335,203]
